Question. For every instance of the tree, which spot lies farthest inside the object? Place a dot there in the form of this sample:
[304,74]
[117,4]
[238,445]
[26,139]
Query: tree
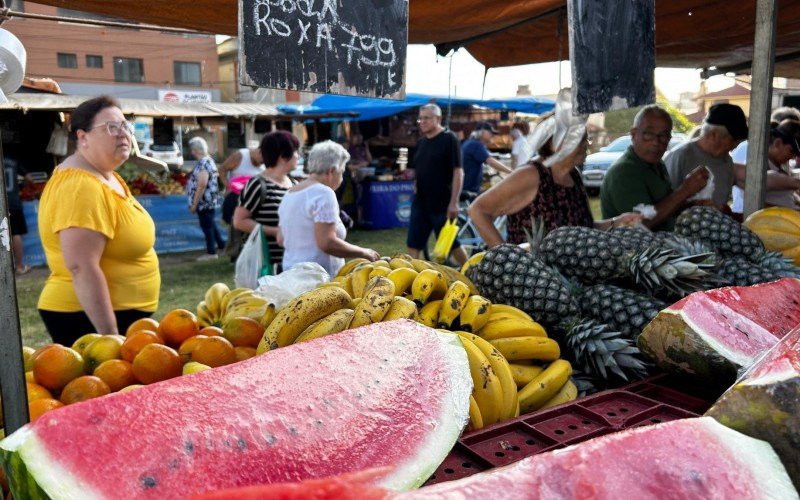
[619,122]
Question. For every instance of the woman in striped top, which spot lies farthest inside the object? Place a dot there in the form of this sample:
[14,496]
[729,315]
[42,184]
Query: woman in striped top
[260,198]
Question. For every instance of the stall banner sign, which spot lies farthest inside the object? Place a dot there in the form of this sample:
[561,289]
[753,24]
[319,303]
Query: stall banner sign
[386,205]
[193,96]
[177,229]
[351,47]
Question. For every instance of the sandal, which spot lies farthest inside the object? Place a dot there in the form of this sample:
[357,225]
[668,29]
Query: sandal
[24,270]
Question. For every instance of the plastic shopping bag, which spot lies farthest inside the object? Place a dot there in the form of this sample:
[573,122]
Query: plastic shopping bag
[251,260]
[444,243]
[282,288]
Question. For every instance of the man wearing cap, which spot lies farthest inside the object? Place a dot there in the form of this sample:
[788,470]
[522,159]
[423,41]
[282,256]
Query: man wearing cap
[475,153]
[724,128]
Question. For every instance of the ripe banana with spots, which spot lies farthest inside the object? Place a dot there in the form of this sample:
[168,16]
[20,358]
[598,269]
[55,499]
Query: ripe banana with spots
[350,265]
[486,388]
[510,327]
[475,420]
[428,285]
[382,263]
[269,314]
[474,260]
[429,314]
[223,306]
[567,393]
[400,263]
[421,265]
[452,275]
[358,280]
[515,348]
[378,298]
[204,315]
[247,305]
[402,277]
[476,313]
[299,313]
[213,298]
[453,303]
[542,389]
[511,311]
[523,374]
[337,321]
[379,271]
[401,308]
[502,370]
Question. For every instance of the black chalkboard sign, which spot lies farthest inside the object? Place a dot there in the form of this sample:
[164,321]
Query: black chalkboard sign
[354,47]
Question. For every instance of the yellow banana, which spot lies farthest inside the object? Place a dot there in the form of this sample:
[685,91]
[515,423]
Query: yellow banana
[524,373]
[356,302]
[339,279]
[378,298]
[214,296]
[453,303]
[382,263]
[336,284]
[475,420]
[429,314]
[541,348]
[379,271]
[204,316]
[337,321]
[452,275]
[475,259]
[359,280]
[348,284]
[223,306]
[402,277]
[401,308]
[503,372]
[541,389]
[350,265]
[400,263]
[485,385]
[511,327]
[475,314]
[567,393]
[244,305]
[300,312]
[511,310]
[421,265]
[428,285]
[269,314]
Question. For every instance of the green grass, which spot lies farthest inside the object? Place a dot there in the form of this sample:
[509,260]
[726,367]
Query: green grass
[594,206]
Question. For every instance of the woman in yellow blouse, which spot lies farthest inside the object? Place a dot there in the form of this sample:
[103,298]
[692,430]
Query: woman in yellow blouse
[97,238]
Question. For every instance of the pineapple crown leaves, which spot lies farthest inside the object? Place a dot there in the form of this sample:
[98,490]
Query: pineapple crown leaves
[536,234]
[776,262]
[662,268]
[598,350]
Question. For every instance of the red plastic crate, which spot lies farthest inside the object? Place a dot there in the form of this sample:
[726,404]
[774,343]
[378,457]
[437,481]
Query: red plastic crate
[649,401]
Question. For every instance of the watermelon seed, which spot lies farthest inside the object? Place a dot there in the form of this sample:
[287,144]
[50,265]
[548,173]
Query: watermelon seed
[497,454]
[188,447]
[573,427]
[242,444]
[228,444]
[530,442]
[559,432]
[586,422]
[318,423]
[293,431]
[449,471]
[466,465]
[173,464]
[149,482]
[271,439]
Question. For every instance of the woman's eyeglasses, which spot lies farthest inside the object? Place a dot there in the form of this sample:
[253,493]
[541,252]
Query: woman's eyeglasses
[114,128]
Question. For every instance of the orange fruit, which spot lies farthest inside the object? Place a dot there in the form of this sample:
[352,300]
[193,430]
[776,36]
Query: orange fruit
[56,366]
[29,377]
[83,388]
[156,362]
[142,324]
[26,354]
[214,351]
[39,407]
[32,358]
[211,331]
[131,387]
[177,326]
[136,341]
[243,332]
[188,345]
[80,345]
[243,353]
[117,373]
[36,391]
[105,348]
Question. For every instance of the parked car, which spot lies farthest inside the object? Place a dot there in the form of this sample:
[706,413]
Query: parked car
[597,164]
[168,153]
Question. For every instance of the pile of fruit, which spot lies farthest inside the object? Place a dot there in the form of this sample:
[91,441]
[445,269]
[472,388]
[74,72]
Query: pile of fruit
[144,183]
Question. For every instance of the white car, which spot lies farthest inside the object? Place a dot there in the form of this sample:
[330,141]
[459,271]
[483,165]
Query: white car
[168,153]
[597,164]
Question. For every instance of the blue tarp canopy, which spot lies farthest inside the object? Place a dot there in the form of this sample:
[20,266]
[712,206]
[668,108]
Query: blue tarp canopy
[371,109]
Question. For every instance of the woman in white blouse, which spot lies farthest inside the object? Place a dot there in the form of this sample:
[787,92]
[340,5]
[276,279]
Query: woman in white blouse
[311,228]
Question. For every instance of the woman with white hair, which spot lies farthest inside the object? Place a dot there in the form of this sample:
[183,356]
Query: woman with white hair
[310,225]
[202,189]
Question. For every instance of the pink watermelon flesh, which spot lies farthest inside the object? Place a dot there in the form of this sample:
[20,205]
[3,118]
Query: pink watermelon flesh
[683,459]
[727,326]
[391,394]
[765,402]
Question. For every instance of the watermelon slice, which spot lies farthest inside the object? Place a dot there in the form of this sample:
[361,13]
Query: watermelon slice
[391,394]
[765,402]
[713,334]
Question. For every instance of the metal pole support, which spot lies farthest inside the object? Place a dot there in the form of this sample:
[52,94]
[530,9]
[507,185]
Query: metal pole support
[760,105]
[12,369]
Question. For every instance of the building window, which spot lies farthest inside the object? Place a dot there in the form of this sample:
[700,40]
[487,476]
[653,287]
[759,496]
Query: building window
[94,61]
[67,60]
[128,70]
[17,5]
[187,73]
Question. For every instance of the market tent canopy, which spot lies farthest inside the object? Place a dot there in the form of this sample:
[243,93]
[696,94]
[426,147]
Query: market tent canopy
[371,109]
[689,33]
[140,107]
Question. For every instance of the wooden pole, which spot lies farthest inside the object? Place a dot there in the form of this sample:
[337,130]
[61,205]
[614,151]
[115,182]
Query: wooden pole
[760,105]
[12,370]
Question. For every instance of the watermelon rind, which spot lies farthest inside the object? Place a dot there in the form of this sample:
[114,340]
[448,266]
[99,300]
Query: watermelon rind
[23,485]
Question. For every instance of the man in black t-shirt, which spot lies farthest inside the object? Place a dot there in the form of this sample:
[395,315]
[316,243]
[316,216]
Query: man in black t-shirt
[439,175]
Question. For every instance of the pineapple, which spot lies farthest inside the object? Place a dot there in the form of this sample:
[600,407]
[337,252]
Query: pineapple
[623,310]
[741,272]
[597,350]
[593,256]
[510,275]
[636,238]
[690,246]
[724,234]
[777,263]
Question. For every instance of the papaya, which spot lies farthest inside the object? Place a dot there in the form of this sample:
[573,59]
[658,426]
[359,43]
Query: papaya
[779,230]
